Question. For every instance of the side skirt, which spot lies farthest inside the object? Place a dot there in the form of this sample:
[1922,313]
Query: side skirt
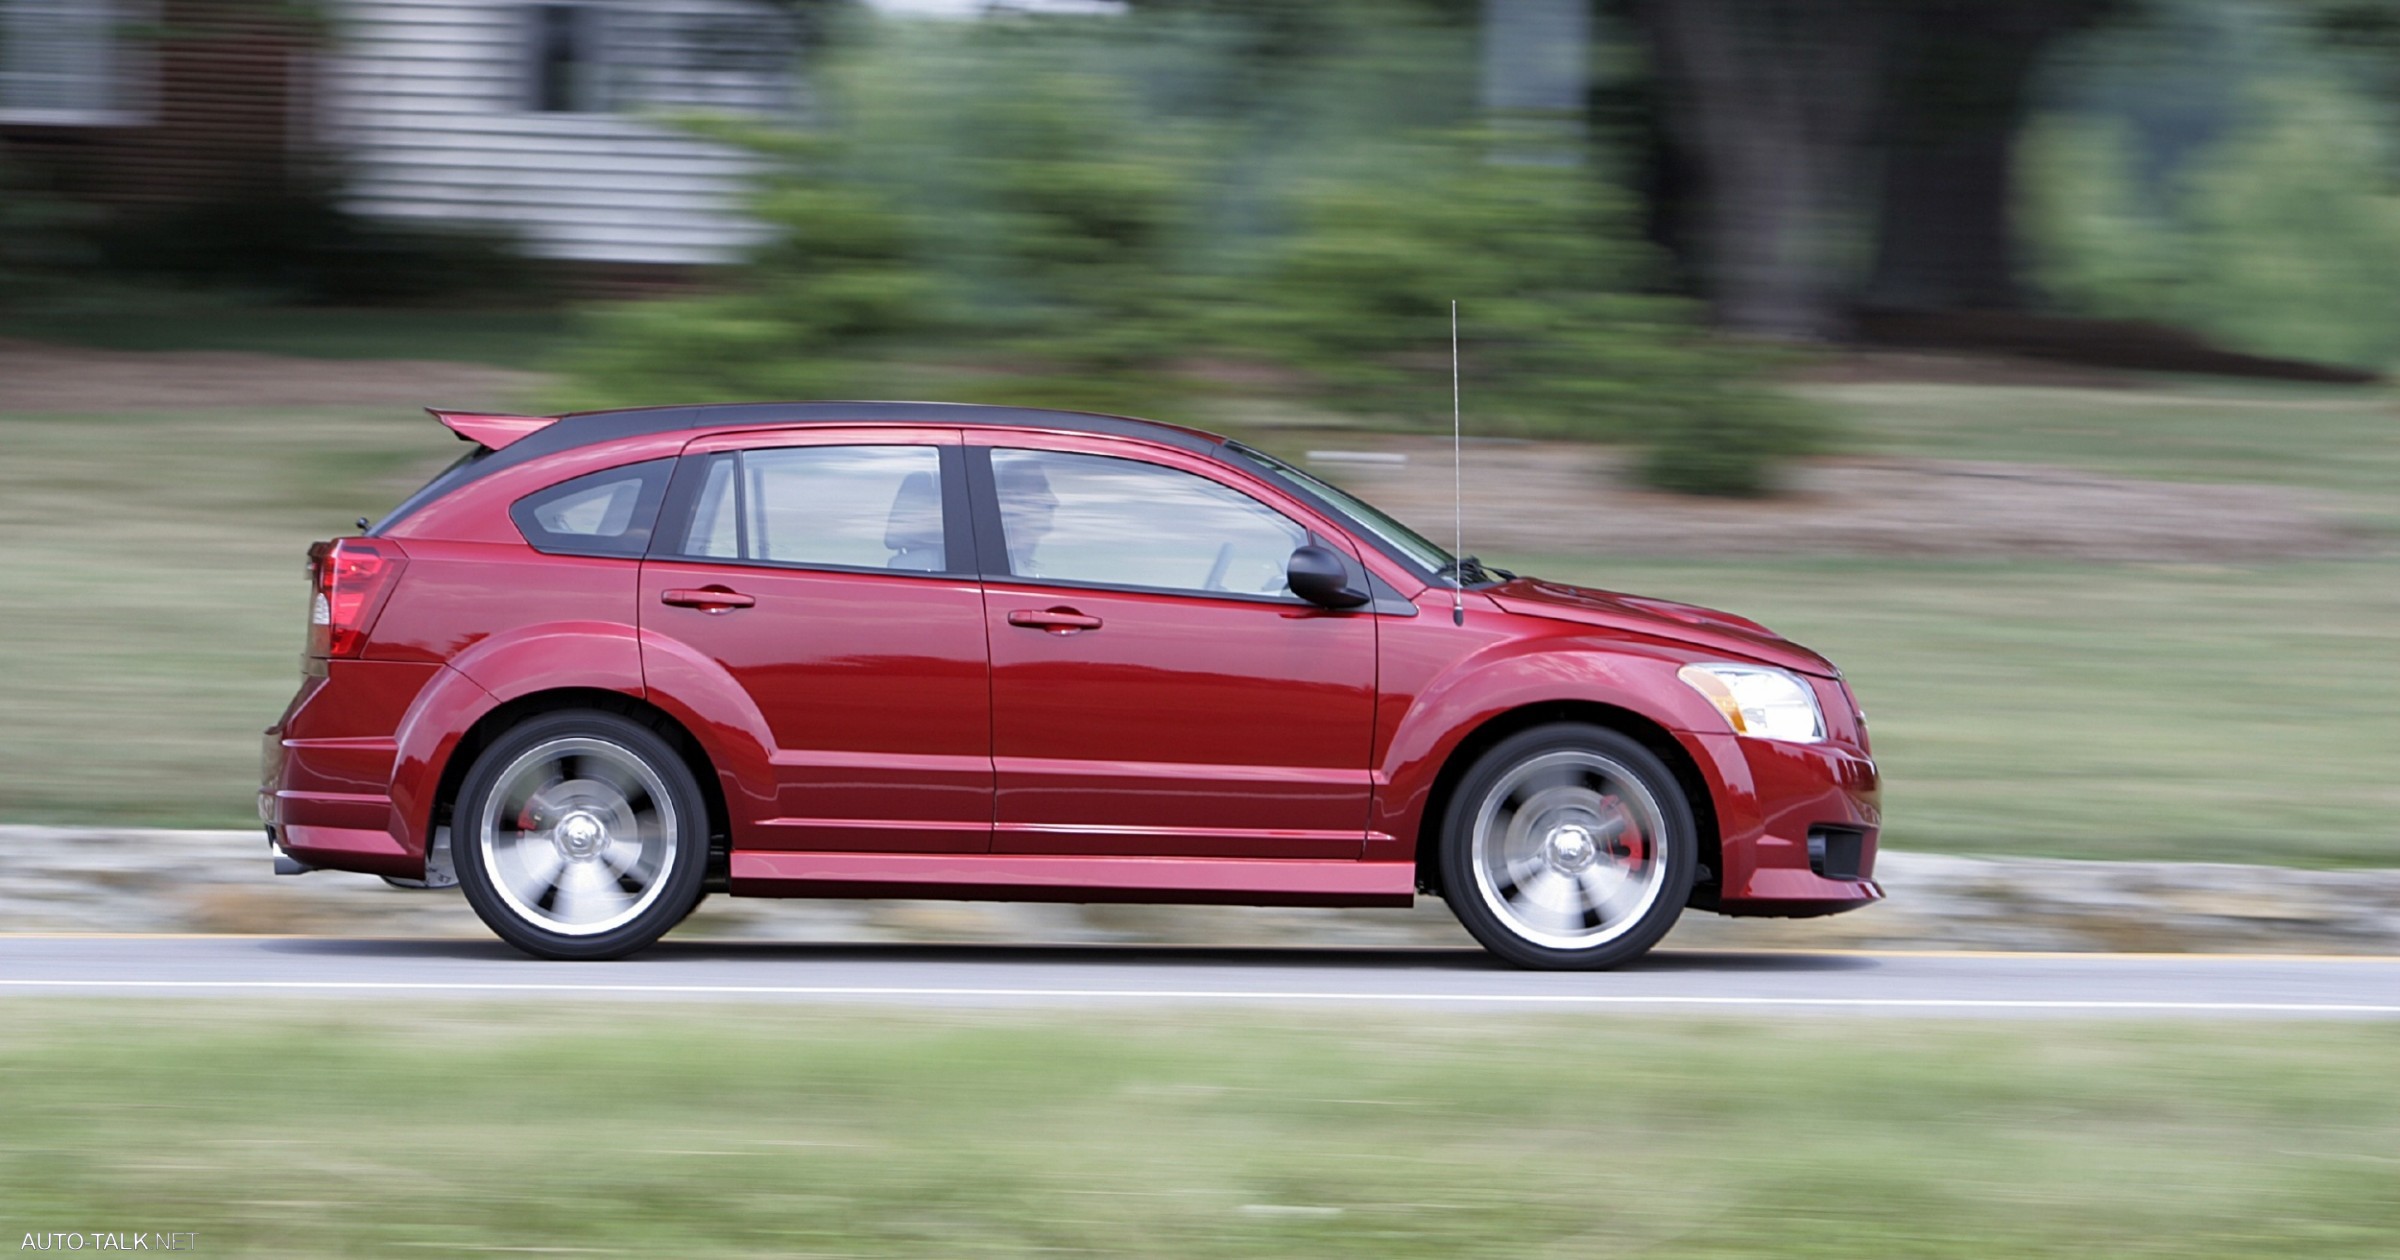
[1013,877]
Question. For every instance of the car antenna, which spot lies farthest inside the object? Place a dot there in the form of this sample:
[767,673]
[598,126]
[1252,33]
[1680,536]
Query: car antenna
[1458,494]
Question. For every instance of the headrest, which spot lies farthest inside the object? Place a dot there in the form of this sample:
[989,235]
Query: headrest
[916,520]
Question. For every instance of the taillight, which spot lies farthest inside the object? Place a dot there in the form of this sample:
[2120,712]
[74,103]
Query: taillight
[351,578]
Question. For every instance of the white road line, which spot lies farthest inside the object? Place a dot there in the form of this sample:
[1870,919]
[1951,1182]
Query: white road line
[1237,995]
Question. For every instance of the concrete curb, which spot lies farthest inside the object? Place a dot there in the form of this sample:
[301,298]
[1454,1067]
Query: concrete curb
[77,879]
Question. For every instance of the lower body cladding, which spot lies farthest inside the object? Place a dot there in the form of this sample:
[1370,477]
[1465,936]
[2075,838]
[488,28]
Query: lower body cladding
[1019,877]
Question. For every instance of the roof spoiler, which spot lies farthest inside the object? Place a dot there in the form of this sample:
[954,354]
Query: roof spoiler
[491,431]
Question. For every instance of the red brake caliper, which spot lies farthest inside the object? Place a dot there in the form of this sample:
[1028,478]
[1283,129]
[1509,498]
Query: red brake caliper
[1630,847]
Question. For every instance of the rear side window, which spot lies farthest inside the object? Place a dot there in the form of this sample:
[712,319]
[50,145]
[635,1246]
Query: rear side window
[607,513]
[845,507]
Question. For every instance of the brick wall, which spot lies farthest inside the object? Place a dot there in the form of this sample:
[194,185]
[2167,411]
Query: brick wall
[226,110]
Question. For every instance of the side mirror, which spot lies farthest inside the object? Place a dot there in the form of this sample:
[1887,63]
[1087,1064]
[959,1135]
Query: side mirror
[1318,575]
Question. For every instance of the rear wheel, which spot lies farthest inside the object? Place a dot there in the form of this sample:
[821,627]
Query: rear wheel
[1568,846]
[585,836]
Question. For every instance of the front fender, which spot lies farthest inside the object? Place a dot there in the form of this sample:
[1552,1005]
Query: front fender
[1505,677]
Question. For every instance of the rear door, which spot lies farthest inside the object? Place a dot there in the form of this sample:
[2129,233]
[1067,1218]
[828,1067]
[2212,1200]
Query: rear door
[1156,689]
[829,572]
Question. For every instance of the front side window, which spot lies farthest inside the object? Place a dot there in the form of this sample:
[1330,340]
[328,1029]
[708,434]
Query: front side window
[1122,522]
[1395,539]
[853,507]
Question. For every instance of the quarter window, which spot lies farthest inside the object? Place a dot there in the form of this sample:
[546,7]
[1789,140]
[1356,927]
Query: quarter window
[855,507]
[1123,522]
[605,513]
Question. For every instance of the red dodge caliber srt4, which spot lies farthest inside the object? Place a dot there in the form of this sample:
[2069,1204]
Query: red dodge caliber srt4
[609,663]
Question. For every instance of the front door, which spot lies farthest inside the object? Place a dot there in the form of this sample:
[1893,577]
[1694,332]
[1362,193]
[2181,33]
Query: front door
[825,574]
[1156,690]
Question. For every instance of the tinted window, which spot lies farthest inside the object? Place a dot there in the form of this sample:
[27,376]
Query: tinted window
[606,513]
[863,507]
[1122,522]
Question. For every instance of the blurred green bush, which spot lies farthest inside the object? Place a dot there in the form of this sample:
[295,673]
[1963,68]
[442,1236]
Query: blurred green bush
[2281,237]
[290,240]
[42,238]
[1135,215]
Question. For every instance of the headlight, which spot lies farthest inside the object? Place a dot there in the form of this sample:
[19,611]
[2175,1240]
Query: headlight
[1768,703]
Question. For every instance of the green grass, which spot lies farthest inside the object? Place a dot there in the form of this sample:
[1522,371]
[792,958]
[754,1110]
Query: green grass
[2315,437]
[522,339]
[153,600]
[720,1131]
[2195,713]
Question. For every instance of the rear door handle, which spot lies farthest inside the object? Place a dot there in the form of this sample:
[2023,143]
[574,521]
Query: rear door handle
[1054,620]
[708,599]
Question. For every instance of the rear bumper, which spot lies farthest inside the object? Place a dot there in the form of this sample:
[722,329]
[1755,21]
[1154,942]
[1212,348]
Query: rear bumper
[1797,826]
[325,790]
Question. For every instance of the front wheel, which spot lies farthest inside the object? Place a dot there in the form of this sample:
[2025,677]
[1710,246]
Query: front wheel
[585,836]
[1568,846]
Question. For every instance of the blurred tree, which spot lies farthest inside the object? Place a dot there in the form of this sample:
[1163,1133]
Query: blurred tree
[1801,115]
[43,238]
[1070,230]
[827,307]
[2281,237]
[1077,213]
[1558,340]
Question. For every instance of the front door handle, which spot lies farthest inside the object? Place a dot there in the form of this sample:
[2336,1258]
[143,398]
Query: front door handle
[708,599]
[1054,620]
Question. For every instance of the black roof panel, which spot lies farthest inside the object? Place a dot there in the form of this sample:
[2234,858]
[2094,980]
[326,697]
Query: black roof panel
[730,415]
[585,428]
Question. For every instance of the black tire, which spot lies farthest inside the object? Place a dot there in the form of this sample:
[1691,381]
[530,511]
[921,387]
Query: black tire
[1568,810]
[611,783]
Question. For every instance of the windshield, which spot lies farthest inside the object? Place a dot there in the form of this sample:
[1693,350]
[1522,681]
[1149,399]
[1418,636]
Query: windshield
[1399,541]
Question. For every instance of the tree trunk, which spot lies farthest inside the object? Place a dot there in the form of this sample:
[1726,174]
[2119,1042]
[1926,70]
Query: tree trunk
[1771,98]
[1944,234]
[1536,74]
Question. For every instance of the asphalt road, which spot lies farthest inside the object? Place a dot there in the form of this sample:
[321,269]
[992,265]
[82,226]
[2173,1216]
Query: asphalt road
[1889,983]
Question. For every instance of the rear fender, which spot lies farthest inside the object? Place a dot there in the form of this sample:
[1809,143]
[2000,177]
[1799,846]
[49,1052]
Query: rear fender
[592,655]
[712,704]
[442,714]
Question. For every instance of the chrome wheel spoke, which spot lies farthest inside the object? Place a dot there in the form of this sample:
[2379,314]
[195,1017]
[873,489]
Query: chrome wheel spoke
[537,866]
[614,775]
[579,835]
[585,895]
[1563,851]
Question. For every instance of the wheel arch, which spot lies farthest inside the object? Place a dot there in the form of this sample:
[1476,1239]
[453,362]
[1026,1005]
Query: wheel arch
[509,714]
[1648,733]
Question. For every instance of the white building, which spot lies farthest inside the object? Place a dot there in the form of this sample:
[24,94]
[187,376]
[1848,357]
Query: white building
[555,121]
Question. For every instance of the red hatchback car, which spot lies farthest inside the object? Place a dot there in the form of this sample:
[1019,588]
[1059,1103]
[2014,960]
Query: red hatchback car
[608,663]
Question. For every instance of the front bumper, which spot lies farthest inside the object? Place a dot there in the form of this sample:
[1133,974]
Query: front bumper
[1797,827]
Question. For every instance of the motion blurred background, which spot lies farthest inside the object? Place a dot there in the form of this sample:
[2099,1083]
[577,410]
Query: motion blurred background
[2028,357]
[2025,357]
